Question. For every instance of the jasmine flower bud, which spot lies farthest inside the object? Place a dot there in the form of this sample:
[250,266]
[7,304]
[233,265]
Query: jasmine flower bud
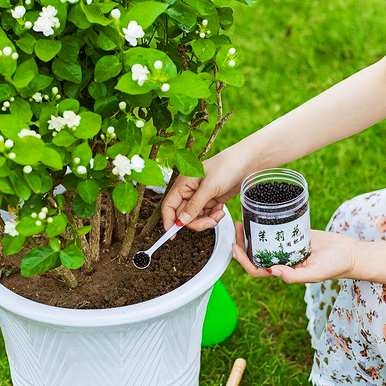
[12,155]
[54,90]
[205,22]
[81,169]
[110,130]
[42,215]
[165,87]
[28,24]
[18,12]
[15,56]
[38,223]
[6,104]
[27,169]
[232,51]
[34,215]
[231,63]
[139,123]
[8,143]
[158,64]
[7,51]
[202,35]
[50,220]
[116,13]
[44,209]
[122,105]
[76,160]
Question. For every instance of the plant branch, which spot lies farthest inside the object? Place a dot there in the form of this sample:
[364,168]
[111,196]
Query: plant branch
[109,221]
[67,276]
[95,233]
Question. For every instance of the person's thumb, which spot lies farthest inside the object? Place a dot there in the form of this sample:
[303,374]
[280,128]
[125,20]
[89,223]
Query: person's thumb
[293,275]
[195,205]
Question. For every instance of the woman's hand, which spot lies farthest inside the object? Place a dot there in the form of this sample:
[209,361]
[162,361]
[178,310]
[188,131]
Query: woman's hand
[199,202]
[333,257]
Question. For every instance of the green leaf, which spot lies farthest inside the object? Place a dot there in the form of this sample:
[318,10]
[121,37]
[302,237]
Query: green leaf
[105,43]
[38,261]
[38,83]
[72,257]
[183,103]
[67,71]
[20,186]
[27,226]
[203,7]
[5,186]
[204,49]
[64,139]
[21,109]
[77,17]
[226,17]
[84,230]
[12,245]
[68,104]
[127,85]
[34,182]
[57,226]
[97,90]
[26,43]
[54,244]
[189,84]
[90,124]
[125,197]
[83,152]
[88,190]
[183,15]
[82,209]
[25,72]
[144,13]
[107,67]
[150,175]
[100,162]
[6,91]
[46,49]
[232,77]
[52,158]
[118,148]
[94,14]
[188,164]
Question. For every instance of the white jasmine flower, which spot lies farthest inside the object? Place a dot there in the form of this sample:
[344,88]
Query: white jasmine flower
[116,13]
[133,32]
[165,87]
[139,73]
[110,130]
[231,63]
[37,97]
[202,35]
[18,12]
[232,51]
[12,155]
[10,227]
[28,133]
[81,169]
[47,21]
[27,169]
[56,123]
[205,22]
[122,166]
[158,64]
[76,160]
[15,56]
[122,105]
[28,25]
[139,123]
[71,119]
[8,143]
[137,163]
[7,51]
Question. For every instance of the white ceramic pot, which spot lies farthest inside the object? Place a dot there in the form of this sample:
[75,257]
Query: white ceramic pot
[155,343]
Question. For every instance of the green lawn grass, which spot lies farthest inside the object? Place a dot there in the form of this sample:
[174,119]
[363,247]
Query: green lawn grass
[291,51]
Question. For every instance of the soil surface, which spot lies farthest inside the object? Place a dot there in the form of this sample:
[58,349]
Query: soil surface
[115,284]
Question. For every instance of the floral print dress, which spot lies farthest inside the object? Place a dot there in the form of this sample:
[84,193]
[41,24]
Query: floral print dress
[347,318]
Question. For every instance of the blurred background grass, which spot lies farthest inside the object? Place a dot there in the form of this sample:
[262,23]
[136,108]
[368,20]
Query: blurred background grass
[291,51]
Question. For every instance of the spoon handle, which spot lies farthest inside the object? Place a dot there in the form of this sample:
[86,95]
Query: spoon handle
[165,237]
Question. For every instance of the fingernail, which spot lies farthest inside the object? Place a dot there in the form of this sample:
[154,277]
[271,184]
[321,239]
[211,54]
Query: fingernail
[185,218]
[275,272]
[269,270]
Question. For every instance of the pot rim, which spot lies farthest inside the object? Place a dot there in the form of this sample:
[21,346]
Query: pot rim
[135,313]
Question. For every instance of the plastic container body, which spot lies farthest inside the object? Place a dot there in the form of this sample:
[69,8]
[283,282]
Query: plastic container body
[276,232]
[154,343]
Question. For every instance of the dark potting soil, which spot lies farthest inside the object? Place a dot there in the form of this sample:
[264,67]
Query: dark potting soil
[115,284]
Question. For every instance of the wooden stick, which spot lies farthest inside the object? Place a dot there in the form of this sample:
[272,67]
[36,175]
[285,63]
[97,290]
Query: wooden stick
[237,372]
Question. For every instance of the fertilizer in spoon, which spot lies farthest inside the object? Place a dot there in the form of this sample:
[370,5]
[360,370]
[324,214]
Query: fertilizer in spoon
[142,259]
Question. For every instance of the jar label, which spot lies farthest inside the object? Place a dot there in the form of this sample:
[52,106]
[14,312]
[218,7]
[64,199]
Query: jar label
[287,243]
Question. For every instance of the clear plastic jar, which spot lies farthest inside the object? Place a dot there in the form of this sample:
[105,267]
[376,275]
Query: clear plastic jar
[276,217]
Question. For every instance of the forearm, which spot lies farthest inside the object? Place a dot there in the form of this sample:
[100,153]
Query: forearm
[369,261]
[339,112]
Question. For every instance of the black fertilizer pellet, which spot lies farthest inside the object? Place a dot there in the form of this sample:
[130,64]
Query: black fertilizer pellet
[276,218]
[141,260]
